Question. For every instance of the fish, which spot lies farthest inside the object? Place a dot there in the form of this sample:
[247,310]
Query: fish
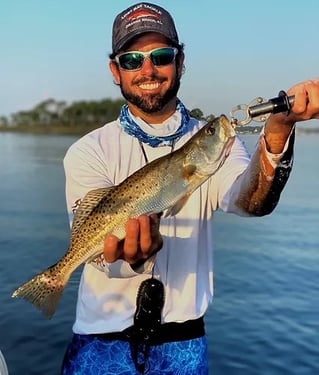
[163,185]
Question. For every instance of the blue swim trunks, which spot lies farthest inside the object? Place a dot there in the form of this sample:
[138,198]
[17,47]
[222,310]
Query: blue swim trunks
[87,355]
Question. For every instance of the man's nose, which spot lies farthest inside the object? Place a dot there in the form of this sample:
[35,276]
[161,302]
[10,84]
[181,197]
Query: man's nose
[148,67]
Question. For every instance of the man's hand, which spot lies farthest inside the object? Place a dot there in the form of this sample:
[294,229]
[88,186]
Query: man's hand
[305,107]
[142,240]
[306,104]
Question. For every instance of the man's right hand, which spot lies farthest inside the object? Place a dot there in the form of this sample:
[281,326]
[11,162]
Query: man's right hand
[142,240]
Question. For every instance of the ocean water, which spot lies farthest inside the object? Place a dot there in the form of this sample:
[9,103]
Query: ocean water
[265,315]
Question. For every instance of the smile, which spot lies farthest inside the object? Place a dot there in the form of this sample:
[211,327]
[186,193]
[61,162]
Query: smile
[150,86]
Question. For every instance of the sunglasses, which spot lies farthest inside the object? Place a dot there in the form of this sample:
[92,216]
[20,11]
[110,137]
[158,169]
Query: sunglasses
[134,60]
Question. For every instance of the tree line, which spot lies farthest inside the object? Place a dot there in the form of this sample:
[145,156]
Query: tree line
[57,115]
[52,116]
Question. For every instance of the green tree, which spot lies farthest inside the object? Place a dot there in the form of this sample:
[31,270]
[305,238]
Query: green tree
[210,117]
[197,113]
[4,122]
[77,117]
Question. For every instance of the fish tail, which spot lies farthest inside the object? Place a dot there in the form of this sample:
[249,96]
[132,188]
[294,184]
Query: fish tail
[44,290]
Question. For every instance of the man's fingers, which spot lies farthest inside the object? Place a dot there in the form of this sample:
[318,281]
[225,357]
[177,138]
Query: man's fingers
[145,234]
[306,103]
[131,242]
[112,250]
[142,238]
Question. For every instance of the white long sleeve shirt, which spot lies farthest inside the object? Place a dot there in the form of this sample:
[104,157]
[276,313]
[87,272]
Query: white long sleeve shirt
[107,294]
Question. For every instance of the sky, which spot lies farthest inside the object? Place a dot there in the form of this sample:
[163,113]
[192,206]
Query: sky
[236,50]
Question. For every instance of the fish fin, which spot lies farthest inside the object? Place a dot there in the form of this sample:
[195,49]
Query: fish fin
[43,291]
[188,170]
[87,205]
[174,210]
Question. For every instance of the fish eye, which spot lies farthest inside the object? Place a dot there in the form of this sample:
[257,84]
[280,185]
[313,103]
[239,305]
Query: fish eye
[211,130]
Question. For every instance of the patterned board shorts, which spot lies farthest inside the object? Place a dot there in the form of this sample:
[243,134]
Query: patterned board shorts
[87,355]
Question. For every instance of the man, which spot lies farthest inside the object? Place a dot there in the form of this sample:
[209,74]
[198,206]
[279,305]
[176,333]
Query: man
[172,255]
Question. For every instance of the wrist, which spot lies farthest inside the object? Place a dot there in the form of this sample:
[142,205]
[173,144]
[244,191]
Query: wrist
[276,132]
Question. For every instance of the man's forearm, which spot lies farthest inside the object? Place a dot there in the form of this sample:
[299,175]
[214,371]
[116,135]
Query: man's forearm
[262,182]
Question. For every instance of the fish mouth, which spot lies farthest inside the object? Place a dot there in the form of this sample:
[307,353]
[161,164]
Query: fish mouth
[228,146]
[229,133]
[225,151]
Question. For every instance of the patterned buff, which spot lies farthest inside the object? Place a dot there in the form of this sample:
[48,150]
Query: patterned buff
[131,128]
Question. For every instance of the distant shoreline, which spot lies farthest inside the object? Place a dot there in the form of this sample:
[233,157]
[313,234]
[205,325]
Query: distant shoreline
[82,130]
[49,130]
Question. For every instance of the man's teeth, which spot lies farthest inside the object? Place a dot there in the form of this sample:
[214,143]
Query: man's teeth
[149,86]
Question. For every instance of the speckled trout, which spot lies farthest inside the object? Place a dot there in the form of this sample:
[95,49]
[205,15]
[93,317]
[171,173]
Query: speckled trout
[165,184]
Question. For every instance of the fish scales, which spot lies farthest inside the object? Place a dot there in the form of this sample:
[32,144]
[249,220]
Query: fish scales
[164,184]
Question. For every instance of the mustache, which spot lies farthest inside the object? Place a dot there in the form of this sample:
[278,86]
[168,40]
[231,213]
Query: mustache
[153,78]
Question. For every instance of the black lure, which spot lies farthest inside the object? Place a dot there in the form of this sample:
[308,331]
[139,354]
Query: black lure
[147,319]
[149,305]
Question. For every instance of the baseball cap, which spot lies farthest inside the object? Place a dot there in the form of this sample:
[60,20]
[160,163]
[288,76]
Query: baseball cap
[142,18]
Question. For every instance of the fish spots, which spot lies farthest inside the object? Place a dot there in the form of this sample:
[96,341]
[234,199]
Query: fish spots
[153,188]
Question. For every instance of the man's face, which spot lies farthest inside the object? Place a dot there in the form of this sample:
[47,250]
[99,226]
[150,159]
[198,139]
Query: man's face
[151,87]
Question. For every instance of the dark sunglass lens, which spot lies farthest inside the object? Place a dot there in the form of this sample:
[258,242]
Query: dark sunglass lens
[163,56]
[131,61]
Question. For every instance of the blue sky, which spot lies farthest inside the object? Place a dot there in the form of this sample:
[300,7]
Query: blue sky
[235,50]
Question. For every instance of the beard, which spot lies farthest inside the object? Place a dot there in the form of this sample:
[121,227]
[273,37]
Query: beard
[151,103]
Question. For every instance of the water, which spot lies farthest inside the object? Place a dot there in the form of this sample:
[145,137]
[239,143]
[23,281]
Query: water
[265,315]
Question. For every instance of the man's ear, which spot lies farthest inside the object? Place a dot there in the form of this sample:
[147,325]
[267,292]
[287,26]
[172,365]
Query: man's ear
[115,72]
[180,64]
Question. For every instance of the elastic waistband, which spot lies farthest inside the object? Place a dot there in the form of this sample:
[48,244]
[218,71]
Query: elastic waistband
[167,332]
